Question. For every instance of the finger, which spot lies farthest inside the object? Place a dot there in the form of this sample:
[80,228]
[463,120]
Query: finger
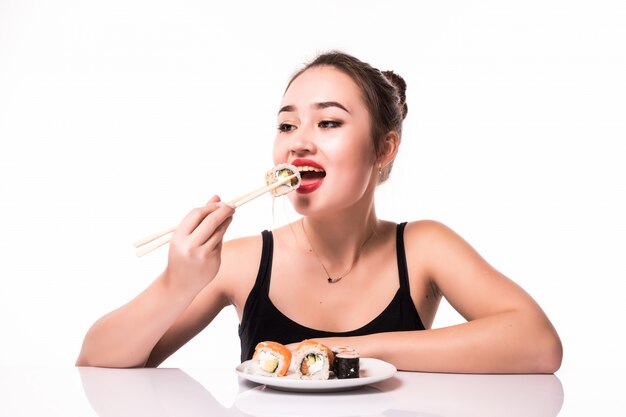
[202,233]
[218,236]
[213,200]
[195,216]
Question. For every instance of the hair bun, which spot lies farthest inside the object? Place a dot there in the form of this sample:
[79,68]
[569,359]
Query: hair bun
[400,85]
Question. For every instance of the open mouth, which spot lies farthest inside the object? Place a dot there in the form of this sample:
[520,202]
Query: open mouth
[312,178]
[311,174]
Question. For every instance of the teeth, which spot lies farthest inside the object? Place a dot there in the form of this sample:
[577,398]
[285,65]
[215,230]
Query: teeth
[309,169]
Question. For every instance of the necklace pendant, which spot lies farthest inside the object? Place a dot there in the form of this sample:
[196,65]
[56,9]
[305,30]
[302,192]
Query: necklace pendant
[334,280]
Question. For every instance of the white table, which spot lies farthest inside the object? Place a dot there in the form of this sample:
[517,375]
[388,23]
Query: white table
[207,392]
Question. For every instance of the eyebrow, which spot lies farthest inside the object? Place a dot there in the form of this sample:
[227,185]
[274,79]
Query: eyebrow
[287,109]
[321,105]
[326,104]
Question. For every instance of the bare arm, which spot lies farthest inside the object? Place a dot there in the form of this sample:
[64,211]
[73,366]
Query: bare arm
[127,336]
[506,331]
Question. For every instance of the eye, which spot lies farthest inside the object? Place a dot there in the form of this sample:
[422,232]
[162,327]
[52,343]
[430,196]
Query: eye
[329,124]
[285,127]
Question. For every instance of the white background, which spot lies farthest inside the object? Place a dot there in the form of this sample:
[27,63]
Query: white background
[118,117]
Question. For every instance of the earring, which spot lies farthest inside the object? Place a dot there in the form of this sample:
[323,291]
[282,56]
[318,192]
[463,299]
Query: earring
[380,169]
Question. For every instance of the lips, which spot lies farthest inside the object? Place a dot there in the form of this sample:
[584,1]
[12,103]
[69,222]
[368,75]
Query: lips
[312,175]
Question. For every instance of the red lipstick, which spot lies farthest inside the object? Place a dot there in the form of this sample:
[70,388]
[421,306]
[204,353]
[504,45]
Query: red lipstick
[311,179]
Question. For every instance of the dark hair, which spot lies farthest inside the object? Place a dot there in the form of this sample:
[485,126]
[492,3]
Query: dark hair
[384,93]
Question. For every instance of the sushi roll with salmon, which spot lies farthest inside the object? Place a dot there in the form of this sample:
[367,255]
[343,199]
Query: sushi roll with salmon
[271,359]
[313,360]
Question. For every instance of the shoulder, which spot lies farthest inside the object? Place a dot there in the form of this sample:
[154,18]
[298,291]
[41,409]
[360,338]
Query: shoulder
[435,243]
[239,267]
[241,246]
[432,231]
[450,262]
[239,255]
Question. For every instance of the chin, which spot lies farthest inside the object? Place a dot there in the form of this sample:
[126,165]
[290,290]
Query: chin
[305,205]
[309,207]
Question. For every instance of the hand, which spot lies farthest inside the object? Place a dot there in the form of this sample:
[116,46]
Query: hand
[195,248]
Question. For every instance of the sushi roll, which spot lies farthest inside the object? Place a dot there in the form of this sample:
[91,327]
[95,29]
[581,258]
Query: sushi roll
[346,363]
[340,349]
[313,360]
[271,359]
[279,172]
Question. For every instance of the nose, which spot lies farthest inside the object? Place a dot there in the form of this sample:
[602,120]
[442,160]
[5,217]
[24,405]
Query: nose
[301,143]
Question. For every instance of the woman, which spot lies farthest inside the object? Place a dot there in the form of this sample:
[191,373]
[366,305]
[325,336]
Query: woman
[339,274]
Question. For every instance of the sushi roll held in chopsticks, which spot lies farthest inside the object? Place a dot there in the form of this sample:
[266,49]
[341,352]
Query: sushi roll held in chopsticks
[280,180]
[313,360]
[280,172]
[271,359]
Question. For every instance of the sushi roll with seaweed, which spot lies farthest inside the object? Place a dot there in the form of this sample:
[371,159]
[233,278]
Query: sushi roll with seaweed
[346,364]
[282,171]
[271,359]
[313,360]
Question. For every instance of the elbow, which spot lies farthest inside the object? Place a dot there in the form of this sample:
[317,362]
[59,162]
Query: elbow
[554,356]
[550,355]
[85,360]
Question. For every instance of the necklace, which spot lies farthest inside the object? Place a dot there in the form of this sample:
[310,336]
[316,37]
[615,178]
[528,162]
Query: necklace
[357,255]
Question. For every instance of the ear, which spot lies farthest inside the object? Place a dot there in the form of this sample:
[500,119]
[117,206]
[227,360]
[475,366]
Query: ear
[391,142]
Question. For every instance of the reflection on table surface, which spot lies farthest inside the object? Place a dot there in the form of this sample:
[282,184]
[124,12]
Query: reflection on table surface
[165,392]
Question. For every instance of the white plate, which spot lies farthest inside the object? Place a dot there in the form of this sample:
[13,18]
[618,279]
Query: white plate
[371,371]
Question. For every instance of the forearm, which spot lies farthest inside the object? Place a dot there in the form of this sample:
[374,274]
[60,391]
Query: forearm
[505,343]
[125,337]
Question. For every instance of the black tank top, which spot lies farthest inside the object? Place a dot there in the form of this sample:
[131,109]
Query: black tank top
[263,321]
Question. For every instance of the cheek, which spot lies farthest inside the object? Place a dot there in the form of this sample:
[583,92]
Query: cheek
[355,166]
[279,153]
[357,152]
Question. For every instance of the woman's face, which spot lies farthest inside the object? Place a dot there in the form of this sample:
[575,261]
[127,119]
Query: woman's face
[324,129]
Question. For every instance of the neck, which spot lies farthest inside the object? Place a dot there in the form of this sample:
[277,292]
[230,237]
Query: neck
[339,238]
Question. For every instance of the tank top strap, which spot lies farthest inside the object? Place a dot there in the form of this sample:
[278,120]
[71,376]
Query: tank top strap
[260,290]
[265,268]
[403,271]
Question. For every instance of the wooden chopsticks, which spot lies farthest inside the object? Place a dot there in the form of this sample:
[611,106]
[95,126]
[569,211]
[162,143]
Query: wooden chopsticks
[156,240]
